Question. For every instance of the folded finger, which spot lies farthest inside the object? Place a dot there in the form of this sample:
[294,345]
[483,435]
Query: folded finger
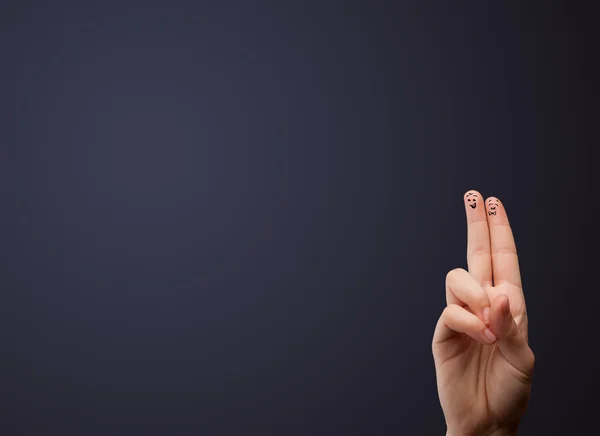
[462,289]
[457,320]
[511,341]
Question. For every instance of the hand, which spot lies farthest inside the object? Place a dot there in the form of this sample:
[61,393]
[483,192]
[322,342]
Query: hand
[482,358]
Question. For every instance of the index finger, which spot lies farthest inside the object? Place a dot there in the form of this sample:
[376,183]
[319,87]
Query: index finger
[479,259]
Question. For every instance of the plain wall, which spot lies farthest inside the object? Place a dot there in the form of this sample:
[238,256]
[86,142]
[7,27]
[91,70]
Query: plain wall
[236,218]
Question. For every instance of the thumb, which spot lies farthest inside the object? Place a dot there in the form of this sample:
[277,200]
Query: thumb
[511,342]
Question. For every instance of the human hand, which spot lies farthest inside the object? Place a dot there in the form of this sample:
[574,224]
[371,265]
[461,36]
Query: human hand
[480,346]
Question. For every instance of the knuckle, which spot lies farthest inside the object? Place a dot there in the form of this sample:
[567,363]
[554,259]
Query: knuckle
[454,274]
[480,250]
[508,249]
[450,311]
[530,360]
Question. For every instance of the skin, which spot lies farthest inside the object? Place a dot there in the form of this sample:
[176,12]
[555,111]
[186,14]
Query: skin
[484,380]
[472,198]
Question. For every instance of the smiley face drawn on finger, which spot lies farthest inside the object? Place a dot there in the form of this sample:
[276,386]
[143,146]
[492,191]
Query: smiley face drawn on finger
[493,205]
[471,199]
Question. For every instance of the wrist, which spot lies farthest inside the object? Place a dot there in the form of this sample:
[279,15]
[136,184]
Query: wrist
[504,432]
[497,432]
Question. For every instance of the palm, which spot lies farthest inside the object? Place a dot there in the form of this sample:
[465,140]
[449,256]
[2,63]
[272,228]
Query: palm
[483,385]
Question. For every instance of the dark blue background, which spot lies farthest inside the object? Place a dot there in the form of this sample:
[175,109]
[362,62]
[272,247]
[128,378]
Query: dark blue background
[236,218]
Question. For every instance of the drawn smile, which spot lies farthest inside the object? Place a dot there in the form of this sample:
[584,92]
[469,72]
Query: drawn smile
[492,208]
[471,201]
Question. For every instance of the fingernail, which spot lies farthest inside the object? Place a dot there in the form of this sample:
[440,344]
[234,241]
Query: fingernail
[486,315]
[489,335]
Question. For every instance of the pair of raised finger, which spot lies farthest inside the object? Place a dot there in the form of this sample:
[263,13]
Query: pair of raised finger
[491,250]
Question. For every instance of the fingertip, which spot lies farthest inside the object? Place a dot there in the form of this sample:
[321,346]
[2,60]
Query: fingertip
[505,305]
[490,336]
[472,198]
[472,192]
[498,299]
[502,302]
